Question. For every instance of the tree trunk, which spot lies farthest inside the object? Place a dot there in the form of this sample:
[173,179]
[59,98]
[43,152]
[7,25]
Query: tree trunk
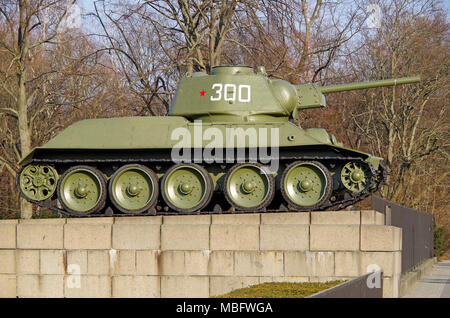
[22,100]
[26,210]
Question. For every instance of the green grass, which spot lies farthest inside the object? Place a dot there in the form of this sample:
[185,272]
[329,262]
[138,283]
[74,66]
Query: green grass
[280,290]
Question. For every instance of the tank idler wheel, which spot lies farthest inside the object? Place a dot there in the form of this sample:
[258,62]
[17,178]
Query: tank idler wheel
[37,182]
[186,187]
[248,187]
[306,185]
[82,190]
[355,176]
[133,189]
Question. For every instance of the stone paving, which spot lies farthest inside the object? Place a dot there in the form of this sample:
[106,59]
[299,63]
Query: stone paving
[436,284]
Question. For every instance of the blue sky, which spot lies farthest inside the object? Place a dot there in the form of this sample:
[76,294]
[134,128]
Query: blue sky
[88,6]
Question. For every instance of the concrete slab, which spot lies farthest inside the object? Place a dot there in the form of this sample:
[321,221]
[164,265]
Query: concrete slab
[336,217]
[130,236]
[286,218]
[334,237]
[90,236]
[283,237]
[88,286]
[8,285]
[184,286]
[239,237]
[185,237]
[136,287]
[40,286]
[7,261]
[8,233]
[258,263]
[381,238]
[27,261]
[435,284]
[52,262]
[40,236]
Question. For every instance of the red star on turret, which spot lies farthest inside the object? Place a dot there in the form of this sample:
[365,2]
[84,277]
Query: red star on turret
[202,93]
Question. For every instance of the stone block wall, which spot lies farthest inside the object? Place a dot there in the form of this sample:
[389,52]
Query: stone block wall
[192,256]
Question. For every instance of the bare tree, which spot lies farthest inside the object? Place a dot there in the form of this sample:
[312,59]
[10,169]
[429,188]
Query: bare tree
[297,40]
[40,64]
[156,42]
[406,125]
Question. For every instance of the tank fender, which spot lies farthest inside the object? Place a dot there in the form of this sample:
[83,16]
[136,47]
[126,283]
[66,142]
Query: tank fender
[319,134]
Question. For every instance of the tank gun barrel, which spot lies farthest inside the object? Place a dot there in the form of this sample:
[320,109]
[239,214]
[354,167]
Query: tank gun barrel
[313,96]
[372,84]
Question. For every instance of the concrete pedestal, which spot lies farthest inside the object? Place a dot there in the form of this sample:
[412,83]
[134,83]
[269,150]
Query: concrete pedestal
[193,256]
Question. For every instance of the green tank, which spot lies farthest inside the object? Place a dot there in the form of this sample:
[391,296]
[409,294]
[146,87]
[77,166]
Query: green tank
[228,145]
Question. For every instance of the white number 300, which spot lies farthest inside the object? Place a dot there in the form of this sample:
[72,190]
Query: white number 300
[229,92]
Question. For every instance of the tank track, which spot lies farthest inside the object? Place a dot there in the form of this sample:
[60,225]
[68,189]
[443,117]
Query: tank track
[350,197]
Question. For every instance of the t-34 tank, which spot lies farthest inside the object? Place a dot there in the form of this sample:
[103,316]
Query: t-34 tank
[227,146]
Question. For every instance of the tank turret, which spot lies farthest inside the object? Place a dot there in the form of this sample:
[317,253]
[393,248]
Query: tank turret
[237,94]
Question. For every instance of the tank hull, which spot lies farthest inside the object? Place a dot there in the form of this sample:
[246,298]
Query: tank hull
[152,133]
[161,143]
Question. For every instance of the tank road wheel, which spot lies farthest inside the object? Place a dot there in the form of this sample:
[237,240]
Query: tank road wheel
[186,187]
[248,187]
[306,185]
[37,182]
[355,176]
[133,189]
[82,190]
